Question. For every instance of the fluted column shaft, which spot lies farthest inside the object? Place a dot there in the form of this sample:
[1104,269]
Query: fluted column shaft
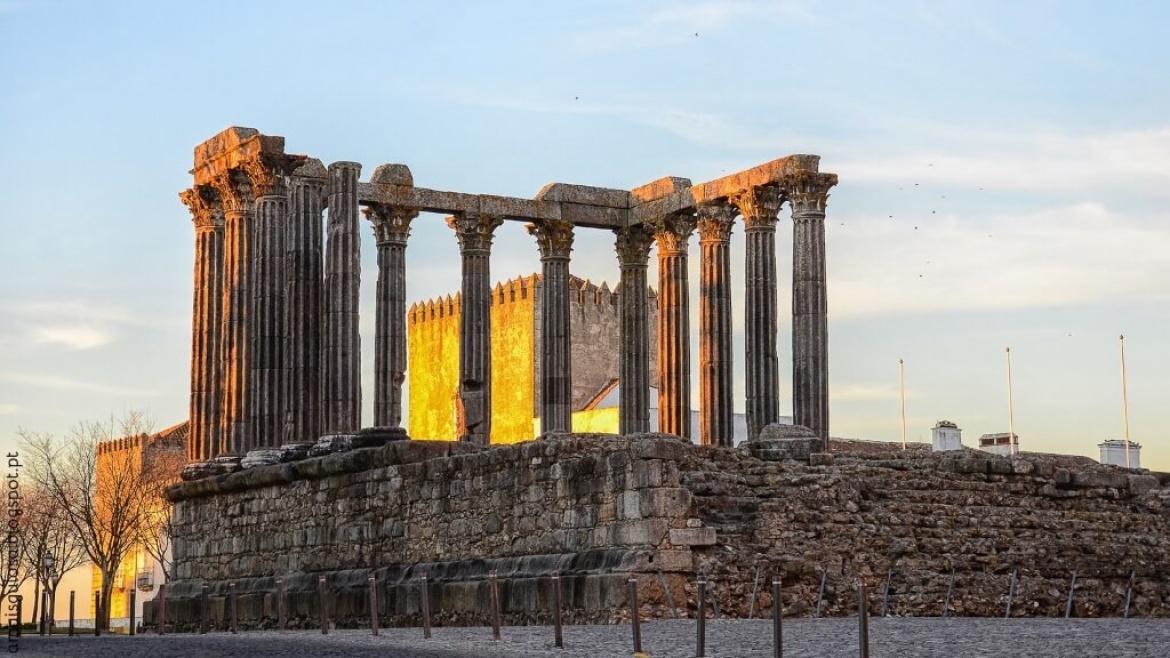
[759,207]
[206,391]
[633,249]
[810,328]
[475,325]
[342,387]
[266,380]
[555,240]
[391,230]
[674,336]
[716,410]
[235,190]
[303,304]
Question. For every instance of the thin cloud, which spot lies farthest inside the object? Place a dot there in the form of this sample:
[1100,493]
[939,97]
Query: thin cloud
[75,338]
[9,409]
[65,384]
[676,23]
[853,392]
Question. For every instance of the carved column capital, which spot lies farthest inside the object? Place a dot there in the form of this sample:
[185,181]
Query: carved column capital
[391,223]
[474,231]
[672,232]
[269,172]
[235,191]
[716,221]
[810,192]
[633,245]
[554,237]
[206,210]
[759,205]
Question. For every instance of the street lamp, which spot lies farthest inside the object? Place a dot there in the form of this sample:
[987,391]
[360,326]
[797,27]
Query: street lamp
[47,560]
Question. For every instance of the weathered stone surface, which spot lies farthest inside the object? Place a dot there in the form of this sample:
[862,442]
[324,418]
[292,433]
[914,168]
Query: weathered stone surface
[221,465]
[692,536]
[262,457]
[291,452]
[331,443]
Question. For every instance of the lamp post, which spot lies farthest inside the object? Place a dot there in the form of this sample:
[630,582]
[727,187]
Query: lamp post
[48,561]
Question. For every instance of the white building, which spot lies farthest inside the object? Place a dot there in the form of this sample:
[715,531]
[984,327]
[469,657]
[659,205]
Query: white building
[1113,453]
[946,436]
[1003,444]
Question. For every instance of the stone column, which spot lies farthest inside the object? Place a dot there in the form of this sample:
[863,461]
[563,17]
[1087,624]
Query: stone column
[633,248]
[303,303]
[474,232]
[716,410]
[235,192]
[391,229]
[759,207]
[555,240]
[342,349]
[206,390]
[810,329]
[266,386]
[671,234]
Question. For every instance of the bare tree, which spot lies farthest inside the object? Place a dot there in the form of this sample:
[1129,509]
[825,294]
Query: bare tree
[156,530]
[13,568]
[48,532]
[97,479]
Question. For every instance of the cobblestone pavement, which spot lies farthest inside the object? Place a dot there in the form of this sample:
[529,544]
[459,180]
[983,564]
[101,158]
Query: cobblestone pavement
[803,638]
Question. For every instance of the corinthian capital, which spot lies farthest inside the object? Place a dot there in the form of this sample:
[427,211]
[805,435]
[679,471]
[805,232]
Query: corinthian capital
[474,230]
[672,232]
[554,237]
[633,245]
[203,202]
[391,223]
[759,205]
[235,191]
[716,221]
[269,172]
[810,192]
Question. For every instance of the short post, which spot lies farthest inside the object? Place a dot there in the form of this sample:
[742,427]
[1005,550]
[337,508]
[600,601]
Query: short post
[324,597]
[1011,593]
[133,607]
[97,613]
[493,583]
[634,620]
[426,607]
[558,636]
[950,589]
[777,614]
[886,596]
[72,610]
[1128,594]
[162,609]
[669,596]
[232,606]
[701,618]
[1072,588]
[373,604]
[820,595]
[863,618]
[755,592]
[204,610]
[43,622]
[280,603]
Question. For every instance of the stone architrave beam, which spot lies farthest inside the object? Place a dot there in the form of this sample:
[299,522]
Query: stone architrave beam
[342,357]
[555,240]
[672,234]
[475,325]
[206,393]
[716,410]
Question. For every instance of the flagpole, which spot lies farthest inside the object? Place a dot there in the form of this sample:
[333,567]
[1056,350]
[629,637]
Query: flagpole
[1125,401]
[1012,448]
[902,391]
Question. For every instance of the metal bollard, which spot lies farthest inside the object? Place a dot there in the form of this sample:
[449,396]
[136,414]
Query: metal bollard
[666,591]
[280,603]
[162,609]
[755,592]
[558,637]
[1072,588]
[426,608]
[1128,594]
[886,596]
[324,597]
[493,583]
[701,618]
[373,604]
[863,619]
[43,622]
[133,607]
[777,615]
[232,605]
[820,595]
[1011,594]
[950,589]
[97,614]
[635,622]
[204,612]
[72,608]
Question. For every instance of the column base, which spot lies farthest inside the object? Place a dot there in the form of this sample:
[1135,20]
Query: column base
[221,465]
[778,442]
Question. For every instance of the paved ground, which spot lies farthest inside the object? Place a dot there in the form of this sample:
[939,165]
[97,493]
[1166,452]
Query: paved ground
[807,638]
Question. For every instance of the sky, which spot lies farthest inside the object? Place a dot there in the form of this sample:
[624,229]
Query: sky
[1004,179]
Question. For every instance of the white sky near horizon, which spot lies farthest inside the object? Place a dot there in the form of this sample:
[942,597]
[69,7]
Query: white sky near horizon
[1004,178]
